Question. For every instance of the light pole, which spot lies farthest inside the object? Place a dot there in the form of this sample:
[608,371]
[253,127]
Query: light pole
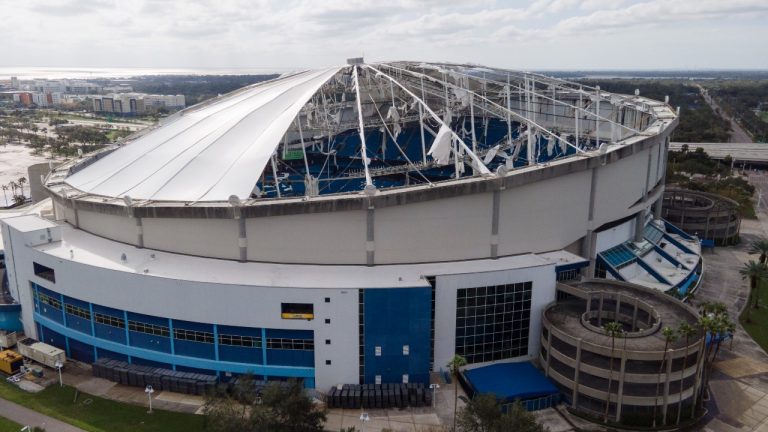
[434,388]
[364,418]
[149,390]
[58,365]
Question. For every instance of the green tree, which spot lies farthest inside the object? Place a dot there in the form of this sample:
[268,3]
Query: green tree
[760,247]
[716,324]
[455,365]
[756,273]
[613,330]
[280,409]
[687,331]
[291,409]
[483,414]
[669,337]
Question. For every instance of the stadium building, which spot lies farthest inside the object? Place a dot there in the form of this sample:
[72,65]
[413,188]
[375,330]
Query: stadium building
[356,224]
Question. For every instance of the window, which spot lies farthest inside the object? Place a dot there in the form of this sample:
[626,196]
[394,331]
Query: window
[109,320]
[291,344]
[493,323]
[327,320]
[405,378]
[406,349]
[152,329]
[77,311]
[327,299]
[327,341]
[297,311]
[241,341]
[377,352]
[193,336]
[44,272]
[50,301]
[328,362]
[567,275]
[377,379]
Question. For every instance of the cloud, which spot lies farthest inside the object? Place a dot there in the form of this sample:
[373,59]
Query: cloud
[189,33]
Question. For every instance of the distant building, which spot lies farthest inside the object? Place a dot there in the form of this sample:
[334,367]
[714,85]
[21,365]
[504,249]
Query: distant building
[14,83]
[136,103]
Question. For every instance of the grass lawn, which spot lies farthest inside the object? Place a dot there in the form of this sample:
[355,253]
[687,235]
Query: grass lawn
[8,426]
[96,414]
[758,328]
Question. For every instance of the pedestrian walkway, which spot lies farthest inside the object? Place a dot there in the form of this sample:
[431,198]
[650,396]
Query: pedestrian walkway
[28,417]
[739,384]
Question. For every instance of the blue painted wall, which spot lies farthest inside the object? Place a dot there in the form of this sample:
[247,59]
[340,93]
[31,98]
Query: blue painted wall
[10,318]
[74,335]
[393,318]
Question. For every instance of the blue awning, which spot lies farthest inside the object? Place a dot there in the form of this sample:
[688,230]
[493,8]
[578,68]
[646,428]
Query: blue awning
[510,381]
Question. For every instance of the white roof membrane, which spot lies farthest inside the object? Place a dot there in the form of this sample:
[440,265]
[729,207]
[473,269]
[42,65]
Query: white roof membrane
[210,152]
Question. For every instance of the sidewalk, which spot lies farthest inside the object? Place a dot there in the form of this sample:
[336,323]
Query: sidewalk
[739,383]
[27,417]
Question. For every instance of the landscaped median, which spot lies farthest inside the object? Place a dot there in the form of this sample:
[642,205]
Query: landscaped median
[8,426]
[97,414]
[757,327]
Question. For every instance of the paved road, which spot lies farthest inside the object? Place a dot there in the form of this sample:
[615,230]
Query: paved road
[27,417]
[738,134]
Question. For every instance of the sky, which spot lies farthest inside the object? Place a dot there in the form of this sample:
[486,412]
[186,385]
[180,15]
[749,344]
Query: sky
[291,34]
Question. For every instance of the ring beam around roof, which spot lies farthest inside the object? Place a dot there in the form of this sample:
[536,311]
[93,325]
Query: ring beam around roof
[306,134]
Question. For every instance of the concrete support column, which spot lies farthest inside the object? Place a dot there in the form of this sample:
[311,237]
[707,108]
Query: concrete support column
[77,216]
[575,394]
[639,225]
[370,246]
[588,250]
[139,233]
[620,395]
[657,207]
[590,239]
[618,307]
[666,387]
[600,310]
[495,223]
[549,350]
[634,316]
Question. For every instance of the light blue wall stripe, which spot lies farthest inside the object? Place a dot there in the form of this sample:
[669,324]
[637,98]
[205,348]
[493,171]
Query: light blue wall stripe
[199,363]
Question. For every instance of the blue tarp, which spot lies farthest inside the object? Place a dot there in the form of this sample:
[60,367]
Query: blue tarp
[510,381]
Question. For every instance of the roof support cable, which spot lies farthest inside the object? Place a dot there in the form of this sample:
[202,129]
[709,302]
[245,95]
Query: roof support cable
[481,166]
[274,173]
[421,127]
[555,101]
[398,145]
[307,174]
[368,182]
[490,103]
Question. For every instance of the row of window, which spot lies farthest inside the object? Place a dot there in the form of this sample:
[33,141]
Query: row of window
[291,344]
[109,320]
[77,311]
[193,335]
[50,301]
[152,329]
[241,341]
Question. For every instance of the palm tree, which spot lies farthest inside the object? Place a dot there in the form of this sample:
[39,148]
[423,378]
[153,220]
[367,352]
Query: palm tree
[716,326]
[5,193]
[21,182]
[669,337]
[756,273]
[613,330]
[760,247]
[687,331]
[454,366]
